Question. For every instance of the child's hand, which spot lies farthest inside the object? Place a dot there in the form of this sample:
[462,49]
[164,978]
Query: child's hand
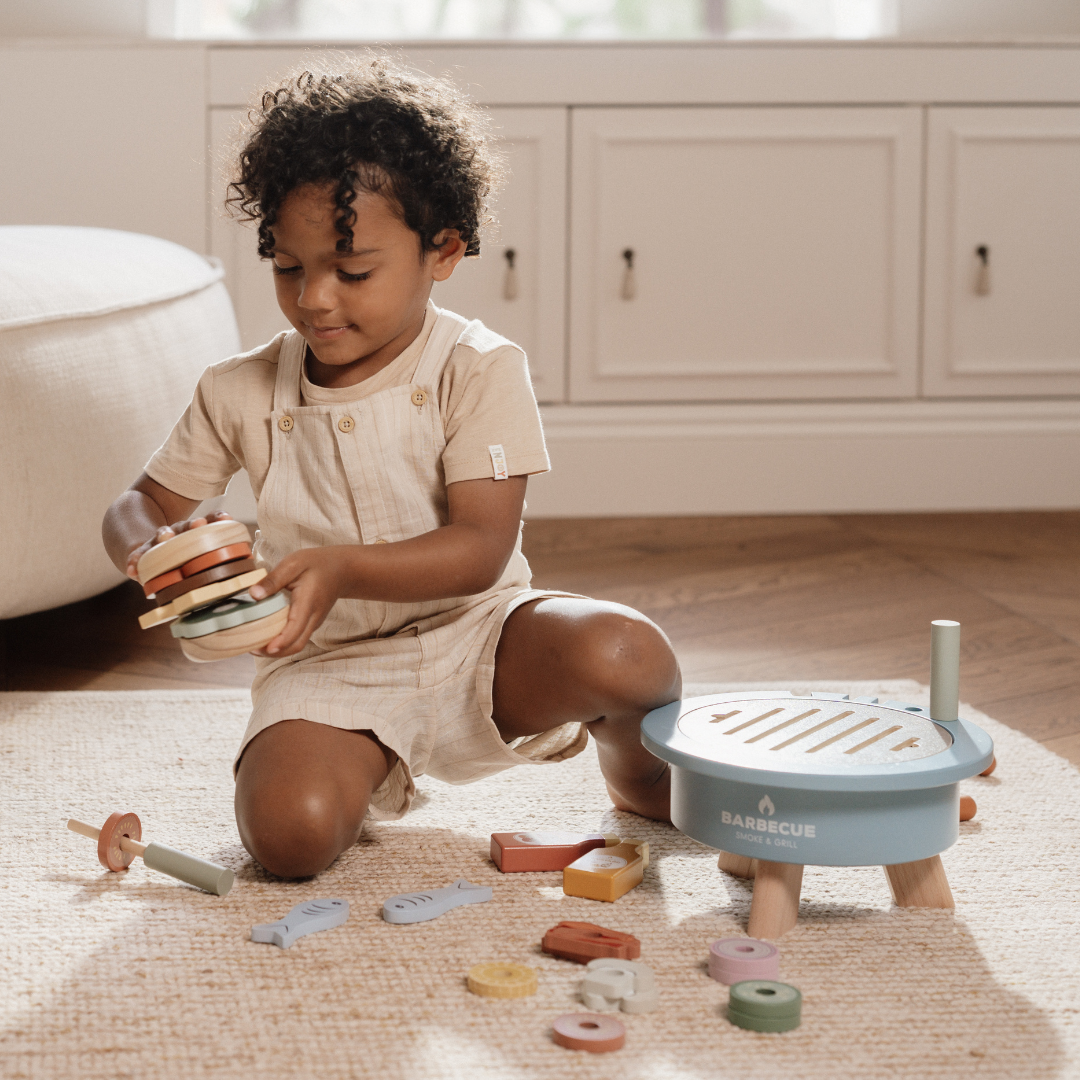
[167,532]
[314,577]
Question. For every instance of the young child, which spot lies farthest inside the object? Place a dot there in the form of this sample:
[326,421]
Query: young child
[389,443]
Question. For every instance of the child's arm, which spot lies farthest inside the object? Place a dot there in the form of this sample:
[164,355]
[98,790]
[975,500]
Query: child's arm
[465,556]
[144,515]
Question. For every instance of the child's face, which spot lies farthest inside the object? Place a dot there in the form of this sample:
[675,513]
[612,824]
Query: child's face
[357,310]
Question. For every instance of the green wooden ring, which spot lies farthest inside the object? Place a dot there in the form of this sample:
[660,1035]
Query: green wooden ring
[234,611]
[765,998]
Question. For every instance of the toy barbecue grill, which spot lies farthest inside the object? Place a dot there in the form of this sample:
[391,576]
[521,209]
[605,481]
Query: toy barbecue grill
[779,780]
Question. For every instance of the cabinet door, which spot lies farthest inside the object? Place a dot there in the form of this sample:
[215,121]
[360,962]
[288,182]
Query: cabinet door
[775,253]
[531,215]
[530,231]
[1003,187]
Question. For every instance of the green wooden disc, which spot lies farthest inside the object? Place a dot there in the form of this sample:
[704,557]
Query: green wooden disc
[765,999]
[234,611]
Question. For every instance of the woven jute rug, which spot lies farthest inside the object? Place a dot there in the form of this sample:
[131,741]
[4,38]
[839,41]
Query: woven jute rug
[135,975]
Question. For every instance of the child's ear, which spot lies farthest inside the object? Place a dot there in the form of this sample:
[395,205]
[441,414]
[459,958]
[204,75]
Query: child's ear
[449,250]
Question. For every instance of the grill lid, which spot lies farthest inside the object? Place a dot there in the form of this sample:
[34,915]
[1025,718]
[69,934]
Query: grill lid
[815,741]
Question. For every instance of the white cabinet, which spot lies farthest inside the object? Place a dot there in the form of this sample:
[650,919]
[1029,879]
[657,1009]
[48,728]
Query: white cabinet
[1003,187]
[531,232]
[531,214]
[775,253]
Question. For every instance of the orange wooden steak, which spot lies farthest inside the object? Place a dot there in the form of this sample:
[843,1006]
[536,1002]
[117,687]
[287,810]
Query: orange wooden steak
[222,572]
[585,941]
[523,851]
[215,558]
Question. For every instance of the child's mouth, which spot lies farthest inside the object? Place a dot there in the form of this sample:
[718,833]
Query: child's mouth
[327,333]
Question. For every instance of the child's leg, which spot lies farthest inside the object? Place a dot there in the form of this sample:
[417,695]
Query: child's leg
[564,659]
[302,790]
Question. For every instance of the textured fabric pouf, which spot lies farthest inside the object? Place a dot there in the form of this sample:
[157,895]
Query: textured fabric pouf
[103,335]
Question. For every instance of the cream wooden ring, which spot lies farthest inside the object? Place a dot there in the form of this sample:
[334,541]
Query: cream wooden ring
[208,594]
[189,545]
[235,640]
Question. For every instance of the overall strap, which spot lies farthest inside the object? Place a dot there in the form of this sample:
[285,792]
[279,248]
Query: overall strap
[290,365]
[444,336]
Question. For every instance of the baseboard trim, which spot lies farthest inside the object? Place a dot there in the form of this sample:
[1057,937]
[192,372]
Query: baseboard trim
[827,457]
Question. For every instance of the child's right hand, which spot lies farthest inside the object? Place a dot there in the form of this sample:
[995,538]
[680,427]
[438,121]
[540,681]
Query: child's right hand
[167,532]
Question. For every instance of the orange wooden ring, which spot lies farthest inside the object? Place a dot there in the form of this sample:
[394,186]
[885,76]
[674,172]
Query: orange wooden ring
[162,582]
[109,852]
[989,768]
[968,808]
[589,1031]
[213,558]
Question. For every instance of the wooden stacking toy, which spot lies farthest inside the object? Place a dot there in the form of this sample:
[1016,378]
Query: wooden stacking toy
[198,580]
[119,841]
[607,873]
[517,852]
[733,960]
[593,1032]
[779,780]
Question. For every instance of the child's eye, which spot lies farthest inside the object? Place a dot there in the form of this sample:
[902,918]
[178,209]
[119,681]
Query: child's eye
[355,277]
[285,269]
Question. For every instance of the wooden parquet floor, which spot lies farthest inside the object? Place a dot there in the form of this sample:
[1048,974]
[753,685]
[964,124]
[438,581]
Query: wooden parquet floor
[742,599]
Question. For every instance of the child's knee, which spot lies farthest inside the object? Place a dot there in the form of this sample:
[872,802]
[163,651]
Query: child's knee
[295,834]
[626,658]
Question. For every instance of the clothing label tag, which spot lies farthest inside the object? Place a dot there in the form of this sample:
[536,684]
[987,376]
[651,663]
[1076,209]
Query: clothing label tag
[498,461]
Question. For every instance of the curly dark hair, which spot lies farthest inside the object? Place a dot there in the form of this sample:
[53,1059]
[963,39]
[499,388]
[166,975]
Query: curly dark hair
[369,125]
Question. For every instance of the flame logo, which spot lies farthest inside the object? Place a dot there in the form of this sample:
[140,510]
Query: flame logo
[766,806]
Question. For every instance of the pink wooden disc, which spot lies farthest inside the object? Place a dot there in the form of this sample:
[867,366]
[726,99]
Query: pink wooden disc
[733,960]
[109,852]
[589,1031]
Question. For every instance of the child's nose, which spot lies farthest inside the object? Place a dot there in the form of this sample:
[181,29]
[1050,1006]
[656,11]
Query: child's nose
[317,293]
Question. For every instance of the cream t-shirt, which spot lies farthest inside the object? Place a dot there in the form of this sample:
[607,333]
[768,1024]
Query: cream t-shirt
[485,398]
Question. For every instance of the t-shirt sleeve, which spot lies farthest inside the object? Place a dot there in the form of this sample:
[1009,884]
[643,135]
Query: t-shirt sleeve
[489,401]
[195,460]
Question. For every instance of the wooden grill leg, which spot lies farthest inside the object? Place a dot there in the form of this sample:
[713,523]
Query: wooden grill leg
[920,884]
[737,865]
[775,907]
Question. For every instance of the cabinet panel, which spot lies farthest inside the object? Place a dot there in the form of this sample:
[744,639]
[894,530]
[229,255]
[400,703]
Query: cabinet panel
[532,222]
[775,253]
[1005,180]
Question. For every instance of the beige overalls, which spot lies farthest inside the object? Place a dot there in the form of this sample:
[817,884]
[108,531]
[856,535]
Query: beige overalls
[419,676]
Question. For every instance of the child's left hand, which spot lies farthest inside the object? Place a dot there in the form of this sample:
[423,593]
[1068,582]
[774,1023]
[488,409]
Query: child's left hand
[314,577]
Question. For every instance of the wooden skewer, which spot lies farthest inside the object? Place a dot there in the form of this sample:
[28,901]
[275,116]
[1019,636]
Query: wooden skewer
[133,847]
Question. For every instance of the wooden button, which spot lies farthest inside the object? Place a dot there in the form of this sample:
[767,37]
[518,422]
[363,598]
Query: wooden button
[346,424]
[285,423]
[419,397]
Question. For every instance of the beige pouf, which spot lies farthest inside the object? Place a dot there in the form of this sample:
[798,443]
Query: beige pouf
[103,335]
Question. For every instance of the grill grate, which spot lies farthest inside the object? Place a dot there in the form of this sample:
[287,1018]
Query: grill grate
[849,734]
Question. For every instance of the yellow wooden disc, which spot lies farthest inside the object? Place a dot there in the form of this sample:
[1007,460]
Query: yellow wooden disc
[199,597]
[502,980]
